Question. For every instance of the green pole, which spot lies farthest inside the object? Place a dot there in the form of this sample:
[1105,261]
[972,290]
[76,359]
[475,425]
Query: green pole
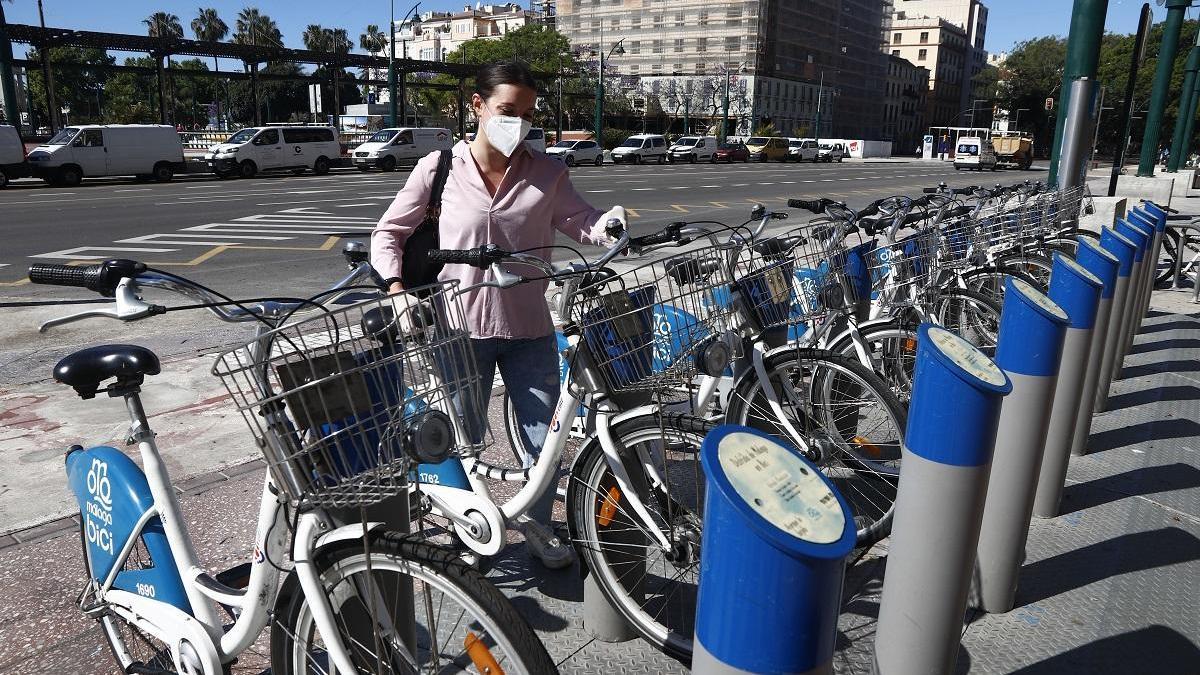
[599,121]
[1191,119]
[1186,104]
[7,76]
[1083,54]
[1162,84]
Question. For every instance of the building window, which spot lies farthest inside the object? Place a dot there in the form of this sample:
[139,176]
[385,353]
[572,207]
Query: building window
[701,44]
[895,52]
[731,43]
[635,47]
[924,37]
[678,45]
[921,54]
[637,22]
[700,68]
[658,20]
[895,38]
[678,19]
[702,19]
[657,46]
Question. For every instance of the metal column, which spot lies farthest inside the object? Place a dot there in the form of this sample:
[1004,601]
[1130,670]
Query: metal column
[1077,291]
[1083,55]
[1030,345]
[1162,84]
[1103,265]
[1123,249]
[1078,133]
[1187,103]
[952,419]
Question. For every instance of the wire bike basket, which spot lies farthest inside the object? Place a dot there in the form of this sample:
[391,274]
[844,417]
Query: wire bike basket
[344,402]
[789,280]
[647,328]
[900,271]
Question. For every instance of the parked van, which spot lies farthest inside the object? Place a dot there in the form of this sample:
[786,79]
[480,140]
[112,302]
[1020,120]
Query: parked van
[802,149]
[831,152]
[536,139]
[142,150]
[293,147]
[767,148]
[12,155]
[641,148]
[975,153]
[389,148]
[693,149]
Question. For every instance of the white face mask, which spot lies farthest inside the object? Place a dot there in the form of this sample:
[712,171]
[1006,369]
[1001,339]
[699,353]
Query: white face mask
[506,133]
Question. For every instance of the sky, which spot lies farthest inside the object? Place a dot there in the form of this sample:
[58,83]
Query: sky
[1009,21]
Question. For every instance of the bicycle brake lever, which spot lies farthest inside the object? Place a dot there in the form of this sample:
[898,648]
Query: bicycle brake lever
[128,307]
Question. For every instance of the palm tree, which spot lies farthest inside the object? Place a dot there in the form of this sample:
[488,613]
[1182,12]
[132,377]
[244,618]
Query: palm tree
[255,28]
[165,25]
[338,41]
[373,41]
[209,27]
[316,38]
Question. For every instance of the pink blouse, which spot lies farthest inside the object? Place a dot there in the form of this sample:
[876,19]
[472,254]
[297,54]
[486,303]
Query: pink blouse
[534,199]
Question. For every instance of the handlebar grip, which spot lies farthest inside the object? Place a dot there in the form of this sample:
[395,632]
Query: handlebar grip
[65,275]
[870,209]
[814,205]
[475,257]
[664,237]
[959,211]
[915,217]
[964,191]
[929,191]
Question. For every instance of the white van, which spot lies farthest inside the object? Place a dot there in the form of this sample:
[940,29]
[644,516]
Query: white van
[693,149]
[389,148]
[641,148]
[12,155]
[536,139]
[974,153]
[142,150]
[293,147]
[802,149]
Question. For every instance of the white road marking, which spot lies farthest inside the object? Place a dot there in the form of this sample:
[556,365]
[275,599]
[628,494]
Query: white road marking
[77,253]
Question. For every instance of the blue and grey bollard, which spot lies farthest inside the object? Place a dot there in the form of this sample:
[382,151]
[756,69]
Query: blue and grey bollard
[1077,291]
[1146,220]
[1160,229]
[1104,266]
[772,556]
[952,418]
[1030,345]
[1139,233]
[1123,249]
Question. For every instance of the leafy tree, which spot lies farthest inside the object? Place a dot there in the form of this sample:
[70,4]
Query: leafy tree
[208,26]
[163,25]
[76,86]
[252,27]
[1031,73]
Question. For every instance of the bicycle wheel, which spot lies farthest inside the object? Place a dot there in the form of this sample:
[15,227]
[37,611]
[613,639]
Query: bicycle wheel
[849,418]
[653,588]
[989,280]
[892,349]
[1033,266]
[971,315]
[461,622]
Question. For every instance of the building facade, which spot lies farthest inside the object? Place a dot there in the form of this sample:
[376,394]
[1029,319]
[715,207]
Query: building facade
[941,47]
[432,35]
[904,104]
[811,68]
[969,15]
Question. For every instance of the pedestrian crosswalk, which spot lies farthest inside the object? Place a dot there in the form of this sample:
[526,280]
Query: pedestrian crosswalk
[257,229]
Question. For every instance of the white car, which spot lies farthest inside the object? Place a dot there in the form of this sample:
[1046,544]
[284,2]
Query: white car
[292,147]
[577,152]
[388,148]
[693,149]
[12,155]
[803,149]
[975,153]
[142,150]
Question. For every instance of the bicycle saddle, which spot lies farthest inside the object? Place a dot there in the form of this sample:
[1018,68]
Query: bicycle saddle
[85,369]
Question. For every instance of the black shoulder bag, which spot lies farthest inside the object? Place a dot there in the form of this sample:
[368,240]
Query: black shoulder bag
[416,269]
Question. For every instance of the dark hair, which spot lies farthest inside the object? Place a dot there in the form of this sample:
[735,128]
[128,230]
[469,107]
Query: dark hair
[493,75]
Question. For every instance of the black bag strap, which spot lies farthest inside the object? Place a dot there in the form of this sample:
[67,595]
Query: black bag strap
[434,207]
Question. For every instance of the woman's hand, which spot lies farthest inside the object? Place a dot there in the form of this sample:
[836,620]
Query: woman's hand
[396,287]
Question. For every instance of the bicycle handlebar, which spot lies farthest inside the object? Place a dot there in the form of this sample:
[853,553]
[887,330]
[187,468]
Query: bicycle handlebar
[102,278]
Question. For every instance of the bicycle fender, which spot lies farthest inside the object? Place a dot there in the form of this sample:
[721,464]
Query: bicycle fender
[350,531]
[842,339]
[113,496]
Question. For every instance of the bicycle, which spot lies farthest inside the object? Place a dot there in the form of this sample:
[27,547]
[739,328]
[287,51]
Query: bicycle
[349,601]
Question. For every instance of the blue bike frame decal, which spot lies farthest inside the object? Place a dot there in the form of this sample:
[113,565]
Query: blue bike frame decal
[113,495]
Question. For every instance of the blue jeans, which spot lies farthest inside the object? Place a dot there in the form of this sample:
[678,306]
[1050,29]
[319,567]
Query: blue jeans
[529,369]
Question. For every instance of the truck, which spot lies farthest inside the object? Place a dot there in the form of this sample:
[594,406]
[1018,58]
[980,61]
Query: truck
[1013,149]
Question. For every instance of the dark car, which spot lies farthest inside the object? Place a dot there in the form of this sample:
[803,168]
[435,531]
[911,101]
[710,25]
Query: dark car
[731,152]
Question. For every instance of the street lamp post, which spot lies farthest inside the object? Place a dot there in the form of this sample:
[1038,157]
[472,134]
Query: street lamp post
[820,97]
[392,102]
[599,121]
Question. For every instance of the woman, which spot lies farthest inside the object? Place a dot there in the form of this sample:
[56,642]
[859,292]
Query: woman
[499,192]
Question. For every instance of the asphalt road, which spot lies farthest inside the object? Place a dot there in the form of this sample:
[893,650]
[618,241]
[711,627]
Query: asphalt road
[271,235]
